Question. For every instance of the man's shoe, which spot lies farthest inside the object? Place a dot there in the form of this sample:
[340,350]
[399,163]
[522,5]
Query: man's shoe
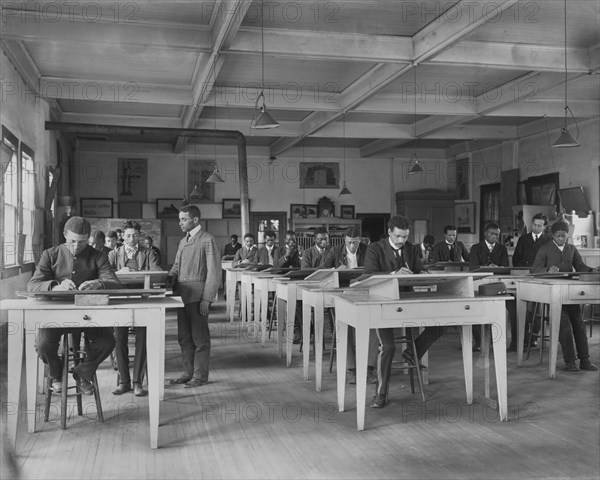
[56,385]
[85,386]
[379,401]
[139,391]
[571,367]
[195,382]
[351,377]
[585,364]
[180,381]
[122,388]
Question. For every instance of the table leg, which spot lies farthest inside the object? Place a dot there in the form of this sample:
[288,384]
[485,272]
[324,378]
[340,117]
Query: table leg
[153,333]
[161,353]
[290,319]
[555,310]
[485,352]
[31,359]
[467,353]
[230,286]
[249,298]
[342,351]
[243,294]
[362,349]
[306,311]
[425,363]
[319,323]
[16,344]
[264,312]
[521,312]
[500,362]
[280,316]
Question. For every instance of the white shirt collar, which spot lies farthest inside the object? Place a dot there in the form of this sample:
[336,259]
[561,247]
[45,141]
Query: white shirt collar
[392,245]
[560,248]
[352,261]
[489,245]
[195,230]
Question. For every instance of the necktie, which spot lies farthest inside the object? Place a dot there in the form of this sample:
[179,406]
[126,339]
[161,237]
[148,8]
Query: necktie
[535,238]
[187,237]
[452,252]
[398,255]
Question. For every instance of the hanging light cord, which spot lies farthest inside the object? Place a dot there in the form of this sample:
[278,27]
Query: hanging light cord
[568,110]
[262,41]
[344,142]
[415,111]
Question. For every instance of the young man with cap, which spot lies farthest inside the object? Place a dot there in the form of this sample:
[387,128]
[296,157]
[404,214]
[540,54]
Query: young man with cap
[74,265]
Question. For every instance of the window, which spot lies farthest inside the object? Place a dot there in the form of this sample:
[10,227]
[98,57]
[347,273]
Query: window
[18,198]
[10,198]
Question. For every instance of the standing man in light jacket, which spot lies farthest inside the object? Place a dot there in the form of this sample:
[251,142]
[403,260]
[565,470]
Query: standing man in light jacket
[195,276]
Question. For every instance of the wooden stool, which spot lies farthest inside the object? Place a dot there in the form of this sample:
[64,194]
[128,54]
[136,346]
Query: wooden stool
[71,358]
[409,338]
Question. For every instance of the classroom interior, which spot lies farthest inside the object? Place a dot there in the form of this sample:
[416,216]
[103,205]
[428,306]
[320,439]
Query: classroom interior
[124,110]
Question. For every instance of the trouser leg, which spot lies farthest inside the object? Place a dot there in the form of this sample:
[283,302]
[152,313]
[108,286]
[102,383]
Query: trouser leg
[578,327]
[100,342]
[47,348]
[565,337]
[185,340]
[139,361]
[387,348]
[427,338]
[122,353]
[201,340]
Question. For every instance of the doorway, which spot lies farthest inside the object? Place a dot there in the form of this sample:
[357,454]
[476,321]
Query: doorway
[374,223]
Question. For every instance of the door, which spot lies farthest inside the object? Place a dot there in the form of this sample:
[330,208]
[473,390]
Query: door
[374,223]
[260,222]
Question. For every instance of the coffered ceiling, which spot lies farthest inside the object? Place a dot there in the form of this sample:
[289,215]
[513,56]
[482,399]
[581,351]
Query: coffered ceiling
[484,70]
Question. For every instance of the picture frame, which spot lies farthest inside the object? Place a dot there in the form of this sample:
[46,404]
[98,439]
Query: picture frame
[96,207]
[132,180]
[232,208]
[462,179]
[319,175]
[347,212]
[131,210]
[167,207]
[464,215]
[299,210]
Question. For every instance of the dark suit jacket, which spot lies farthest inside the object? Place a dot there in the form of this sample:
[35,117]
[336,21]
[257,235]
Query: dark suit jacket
[263,255]
[549,255]
[282,262]
[311,258]
[231,249]
[441,252]
[380,258]
[481,256]
[526,249]
[57,264]
[336,256]
[146,259]
[245,254]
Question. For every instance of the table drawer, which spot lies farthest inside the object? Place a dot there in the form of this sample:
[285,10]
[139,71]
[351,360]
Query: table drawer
[584,292]
[85,317]
[422,310]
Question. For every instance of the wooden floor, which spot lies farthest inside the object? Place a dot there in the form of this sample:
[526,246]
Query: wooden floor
[258,419]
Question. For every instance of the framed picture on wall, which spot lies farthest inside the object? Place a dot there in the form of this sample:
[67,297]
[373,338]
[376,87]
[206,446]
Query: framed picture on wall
[130,210]
[97,207]
[347,211]
[299,210]
[319,175]
[464,213]
[232,208]
[167,207]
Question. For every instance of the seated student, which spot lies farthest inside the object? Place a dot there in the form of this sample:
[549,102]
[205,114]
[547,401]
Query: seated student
[131,257]
[491,253]
[97,240]
[396,254]
[112,239]
[558,256]
[425,247]
[351,255]
[232,247]
[524,255]
[289,256]
[248,254]
[268,253]
[74,265]
[148,243]
[450,250]
[311,258]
